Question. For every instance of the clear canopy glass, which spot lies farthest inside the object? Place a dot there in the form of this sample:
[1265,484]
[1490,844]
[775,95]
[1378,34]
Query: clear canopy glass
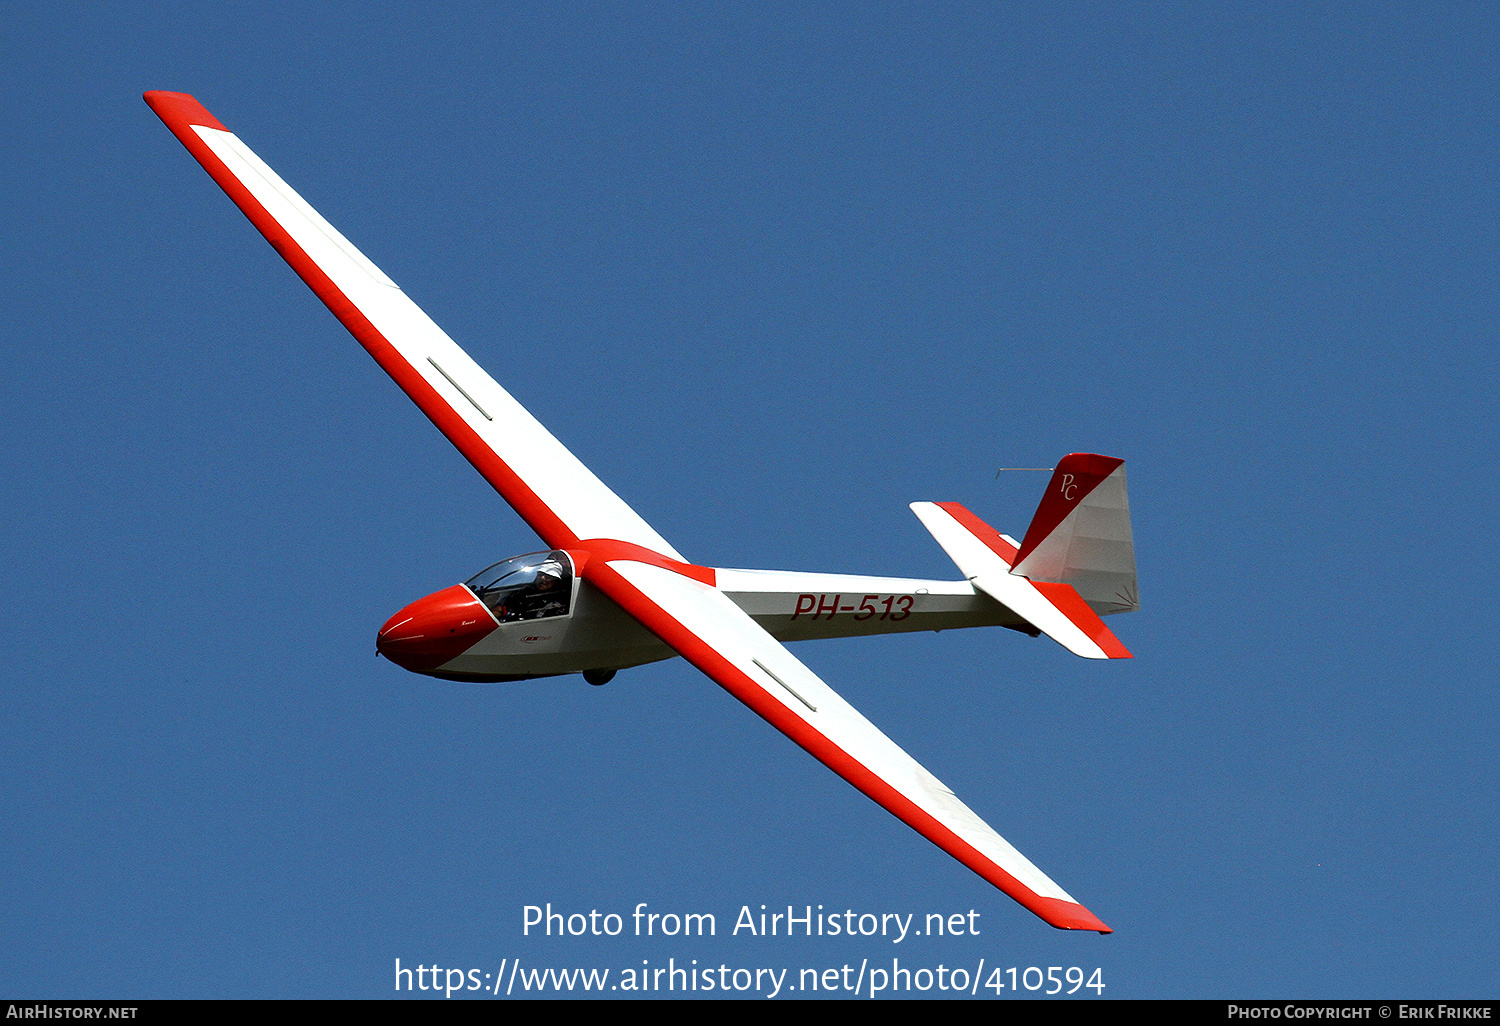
[529,587]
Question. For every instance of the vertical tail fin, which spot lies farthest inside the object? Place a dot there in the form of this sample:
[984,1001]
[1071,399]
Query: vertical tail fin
[1081,534]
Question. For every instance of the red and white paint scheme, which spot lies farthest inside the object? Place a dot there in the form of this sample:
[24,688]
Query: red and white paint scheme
[610,592]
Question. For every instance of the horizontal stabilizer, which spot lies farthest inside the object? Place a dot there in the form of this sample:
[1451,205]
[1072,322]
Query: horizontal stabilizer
[985,556]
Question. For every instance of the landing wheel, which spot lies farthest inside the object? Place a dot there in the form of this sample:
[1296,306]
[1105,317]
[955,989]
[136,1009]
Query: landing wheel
[598,677]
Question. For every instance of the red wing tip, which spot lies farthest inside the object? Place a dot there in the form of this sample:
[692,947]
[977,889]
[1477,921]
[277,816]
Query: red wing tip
[181,107]
[1068,915]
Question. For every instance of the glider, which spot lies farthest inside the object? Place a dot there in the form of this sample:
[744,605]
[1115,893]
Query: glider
[611,592]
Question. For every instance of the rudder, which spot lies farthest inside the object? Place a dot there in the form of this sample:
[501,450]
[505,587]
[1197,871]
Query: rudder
[1081,534]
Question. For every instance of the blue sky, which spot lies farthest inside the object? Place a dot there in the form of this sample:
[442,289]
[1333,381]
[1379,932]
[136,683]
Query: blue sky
[773,272]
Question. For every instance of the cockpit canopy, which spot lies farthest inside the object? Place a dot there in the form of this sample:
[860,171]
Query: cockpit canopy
[529,587]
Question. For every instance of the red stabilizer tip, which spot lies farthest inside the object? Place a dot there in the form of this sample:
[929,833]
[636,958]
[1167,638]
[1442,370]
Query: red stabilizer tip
[1071,604]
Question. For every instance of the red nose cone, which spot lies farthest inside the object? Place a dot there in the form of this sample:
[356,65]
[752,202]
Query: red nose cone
[435,629]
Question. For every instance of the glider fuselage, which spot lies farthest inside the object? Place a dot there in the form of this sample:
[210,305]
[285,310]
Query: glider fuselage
[596,634]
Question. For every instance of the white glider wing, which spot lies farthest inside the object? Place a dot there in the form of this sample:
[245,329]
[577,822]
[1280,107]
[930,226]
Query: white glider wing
[721,640]
[547,485]
[614,547]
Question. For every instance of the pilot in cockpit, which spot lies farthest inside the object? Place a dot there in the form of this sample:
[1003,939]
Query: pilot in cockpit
[545,597]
